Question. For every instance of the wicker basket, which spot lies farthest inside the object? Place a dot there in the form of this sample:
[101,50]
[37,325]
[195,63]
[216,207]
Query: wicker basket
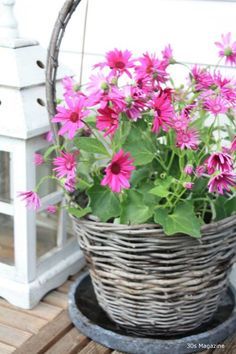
[145,281]
[153,284]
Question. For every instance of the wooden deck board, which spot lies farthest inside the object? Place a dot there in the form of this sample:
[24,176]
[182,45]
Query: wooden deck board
[48,329]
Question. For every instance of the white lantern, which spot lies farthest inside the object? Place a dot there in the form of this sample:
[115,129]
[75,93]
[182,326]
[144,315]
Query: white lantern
[37,252]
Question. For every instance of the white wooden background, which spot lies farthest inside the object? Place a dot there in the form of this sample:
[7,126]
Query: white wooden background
[190,26]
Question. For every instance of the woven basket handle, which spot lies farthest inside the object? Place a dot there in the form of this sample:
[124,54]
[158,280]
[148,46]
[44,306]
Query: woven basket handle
[52,58]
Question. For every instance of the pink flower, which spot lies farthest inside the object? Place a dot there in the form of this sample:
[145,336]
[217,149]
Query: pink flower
[227,49]
[70,184]
[108,120]
[219,161]
[188,185]
[118,61]
[70,87]
[215,105]
[38,159]
[48,136]
[221,182]
[118,172]
[202,77]
[163,112]
[167,54]
[226,87]
[200,170]
[51,209]
[152,69]
[179,122]
[66,165]
[188,139]
[135,102]
[31,198]
[188,169]
[233,145]
[71,117]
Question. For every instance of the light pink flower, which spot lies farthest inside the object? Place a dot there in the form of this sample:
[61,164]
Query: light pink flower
[167,54]
[216,105]
[118,61]
[51,209]
[38,159]
[226,87]
[108,120]
[118,172]
[48,136]
[219,161]
[180,122]
[72,116]
[222,182]
[188,169]
[188,139]
[70,87]
[203,78]
[188,185]
[227,49]
[65,165]
[31,198]
[163,112]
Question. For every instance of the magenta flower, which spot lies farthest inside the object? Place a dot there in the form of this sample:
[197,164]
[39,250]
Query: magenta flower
[227,49]
[65,165]
[200,170]
[219,161]
[233,145]
[118,172]
[188,169]
[152,68]
[51,209]
[48,136]
[108,120]
[70,184]
[188,139]
[180,122]
[135,102]
[38,159]
[70,87]
[188,185]
[118,61]
[222,182]
[203,78]
[167,54]
[72,117]
[163,112]
[31,198]
[215,105]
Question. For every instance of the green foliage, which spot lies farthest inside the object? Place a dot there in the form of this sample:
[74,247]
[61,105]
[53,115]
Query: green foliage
[79,213]
[103,202]
[224,207]
[162,187]
[182,220]
[134,210]
[90,145]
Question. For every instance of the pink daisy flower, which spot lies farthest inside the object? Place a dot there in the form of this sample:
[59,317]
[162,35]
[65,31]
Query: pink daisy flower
[108,120]
[233,145]
[167,55]
[38,159]
[135,102]
[70,86]
[51,209]
[163,112]
[70,184]
[118,172]
[48,136]
[219,161]
[188,169]
[65,165]
[72,117]
[200,170]
[188,139]
[227,49]
[152,68]
[118,61]
[31,198]
[222,182]
[203,78]
[215,105]
[188,185]
[179,122]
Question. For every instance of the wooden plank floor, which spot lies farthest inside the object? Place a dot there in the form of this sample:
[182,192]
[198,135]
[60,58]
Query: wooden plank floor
[48,329]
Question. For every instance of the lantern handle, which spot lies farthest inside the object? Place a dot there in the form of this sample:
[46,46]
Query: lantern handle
[52,58]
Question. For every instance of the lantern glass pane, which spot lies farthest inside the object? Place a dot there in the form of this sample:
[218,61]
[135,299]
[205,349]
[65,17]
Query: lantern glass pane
[5,190]
[45,169]
[46,231]
[6,239]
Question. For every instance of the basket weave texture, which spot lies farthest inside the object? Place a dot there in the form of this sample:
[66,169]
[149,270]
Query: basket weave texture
[153,284]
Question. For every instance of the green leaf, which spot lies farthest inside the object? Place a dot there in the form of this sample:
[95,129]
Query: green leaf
[103,202]
[122,133]
[230,206]
[140,146]
[224,207]
[79,213]
[91,145]
[183,220]
[140,174]
[49,151]
[162,188]
[134,210]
